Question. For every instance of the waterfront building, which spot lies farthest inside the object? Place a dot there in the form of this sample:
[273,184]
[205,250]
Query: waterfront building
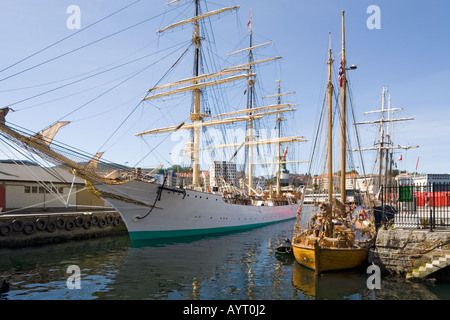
[321,182]
[430,178]
[225,170]
[26,186]
[259,183]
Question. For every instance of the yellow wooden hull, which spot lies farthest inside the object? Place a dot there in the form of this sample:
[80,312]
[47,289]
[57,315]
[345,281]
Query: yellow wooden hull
[329,259]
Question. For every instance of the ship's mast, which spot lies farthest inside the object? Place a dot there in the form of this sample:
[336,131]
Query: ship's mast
[344,115]
[279,119]
[195,84]
[330,127]
[250,82]
[381,142]
[196,115]
[389,143]
[385,144]
[281,160]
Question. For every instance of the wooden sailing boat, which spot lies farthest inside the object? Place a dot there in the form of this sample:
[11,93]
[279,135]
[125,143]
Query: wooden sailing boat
[339,235]
[158,210]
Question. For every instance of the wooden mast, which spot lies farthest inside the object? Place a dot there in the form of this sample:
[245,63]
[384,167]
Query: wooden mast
[279,119]
[330,127]
[196,115]
[344,116]
[250,106]
[381,149]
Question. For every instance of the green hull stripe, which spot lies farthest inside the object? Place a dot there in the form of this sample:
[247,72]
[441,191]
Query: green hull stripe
[148,235]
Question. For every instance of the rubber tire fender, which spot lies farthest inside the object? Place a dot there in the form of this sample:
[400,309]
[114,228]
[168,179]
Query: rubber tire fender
[79,221]
[70,225]
[102,223]
[109,219]
[60,222]
[4,232]
[41,224]
[87,224]
[117,221]
[17,225]
[52,226]
[95,220]
[29,228]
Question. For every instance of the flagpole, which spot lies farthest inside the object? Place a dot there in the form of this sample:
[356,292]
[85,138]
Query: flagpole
[417,164]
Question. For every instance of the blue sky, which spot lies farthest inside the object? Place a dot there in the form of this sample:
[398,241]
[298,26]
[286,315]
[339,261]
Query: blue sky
[409,55]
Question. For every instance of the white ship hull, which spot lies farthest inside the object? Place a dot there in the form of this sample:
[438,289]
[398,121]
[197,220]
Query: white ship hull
[195,213]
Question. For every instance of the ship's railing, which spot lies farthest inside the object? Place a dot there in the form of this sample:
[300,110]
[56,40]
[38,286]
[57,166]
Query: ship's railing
[421,206]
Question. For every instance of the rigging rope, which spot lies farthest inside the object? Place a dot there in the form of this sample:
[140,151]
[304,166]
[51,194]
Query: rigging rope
[82,47]
[139,104]
[69,36]
[85,78]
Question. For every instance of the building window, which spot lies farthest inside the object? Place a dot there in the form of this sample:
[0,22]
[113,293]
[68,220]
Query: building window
[36,189]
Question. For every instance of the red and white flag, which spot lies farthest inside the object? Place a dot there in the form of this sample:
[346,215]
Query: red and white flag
[400,159]
[341,74]
[250,20]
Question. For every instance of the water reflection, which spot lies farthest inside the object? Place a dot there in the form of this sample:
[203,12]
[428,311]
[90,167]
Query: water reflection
[228,266]
[41,272]
[330,286]
[233,266]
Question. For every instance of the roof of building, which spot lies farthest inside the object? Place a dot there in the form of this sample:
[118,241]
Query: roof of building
[30,172]
[325,176]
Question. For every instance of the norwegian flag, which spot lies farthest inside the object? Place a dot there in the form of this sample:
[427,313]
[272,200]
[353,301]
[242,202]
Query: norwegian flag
[341,74]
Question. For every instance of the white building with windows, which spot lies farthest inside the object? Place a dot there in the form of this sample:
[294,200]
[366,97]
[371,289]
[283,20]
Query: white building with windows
[29,187]
[224,169]
[430,178]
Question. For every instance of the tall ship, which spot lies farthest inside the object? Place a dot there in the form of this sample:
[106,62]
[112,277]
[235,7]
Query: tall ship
[338,232]
[158,209]
[384,146]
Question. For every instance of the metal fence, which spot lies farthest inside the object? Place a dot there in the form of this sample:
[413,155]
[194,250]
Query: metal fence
[424,206]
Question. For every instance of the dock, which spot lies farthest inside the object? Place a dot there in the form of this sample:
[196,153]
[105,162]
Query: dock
[41,228]
[416,254]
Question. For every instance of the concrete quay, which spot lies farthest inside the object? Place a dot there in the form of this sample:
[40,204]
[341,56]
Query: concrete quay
[417,254]
[41,228]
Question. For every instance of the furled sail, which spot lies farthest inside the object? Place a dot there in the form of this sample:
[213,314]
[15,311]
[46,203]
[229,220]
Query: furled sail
[3,113]
[46,136]
[93,164]
[197,18]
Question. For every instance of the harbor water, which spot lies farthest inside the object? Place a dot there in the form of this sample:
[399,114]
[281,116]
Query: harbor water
[234,266]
